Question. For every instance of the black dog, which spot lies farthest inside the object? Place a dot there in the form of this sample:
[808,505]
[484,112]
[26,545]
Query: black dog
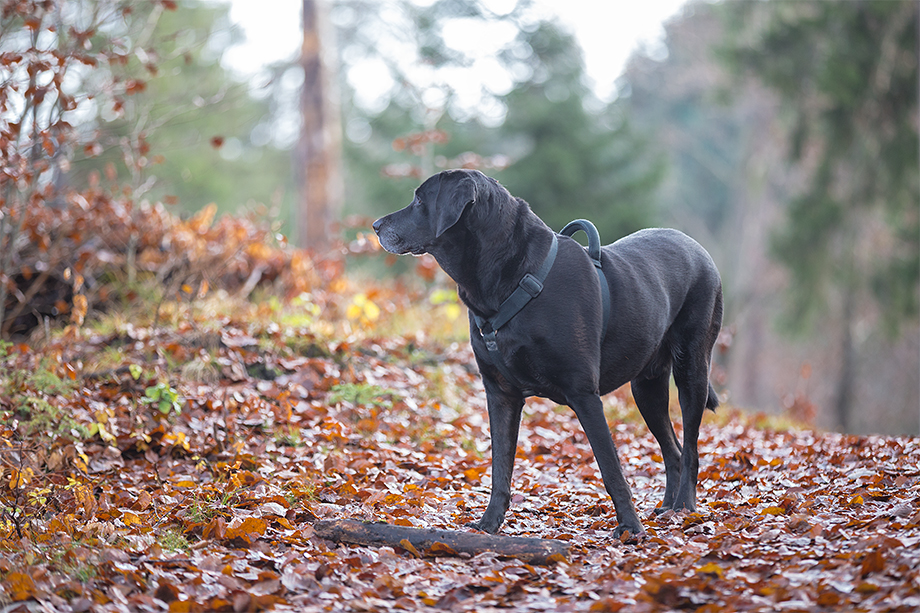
[665,314]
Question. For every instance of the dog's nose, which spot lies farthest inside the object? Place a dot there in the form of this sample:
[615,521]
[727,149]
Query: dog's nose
[377,225]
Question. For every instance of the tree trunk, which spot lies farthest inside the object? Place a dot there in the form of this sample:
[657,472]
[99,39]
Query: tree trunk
[441,542]
[319,150]
[845,382]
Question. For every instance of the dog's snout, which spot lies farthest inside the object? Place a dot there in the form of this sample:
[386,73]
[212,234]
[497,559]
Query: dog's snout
[377,225]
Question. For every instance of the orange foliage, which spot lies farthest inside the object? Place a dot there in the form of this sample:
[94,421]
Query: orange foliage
[365,429]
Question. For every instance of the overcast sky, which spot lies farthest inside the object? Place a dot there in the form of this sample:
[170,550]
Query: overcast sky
[608,31]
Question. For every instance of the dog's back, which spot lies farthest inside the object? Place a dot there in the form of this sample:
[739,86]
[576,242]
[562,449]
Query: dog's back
[666,297]
[664,253]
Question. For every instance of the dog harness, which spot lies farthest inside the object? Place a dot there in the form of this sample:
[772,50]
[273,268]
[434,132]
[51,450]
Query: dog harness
[530,286]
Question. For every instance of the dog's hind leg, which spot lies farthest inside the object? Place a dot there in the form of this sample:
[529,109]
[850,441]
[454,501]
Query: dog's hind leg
[652,399]
[504,425]
[693,391]
[590,412]
[691,374]
[694,334]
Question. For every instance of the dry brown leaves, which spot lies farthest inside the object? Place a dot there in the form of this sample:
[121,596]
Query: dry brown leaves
[212,508]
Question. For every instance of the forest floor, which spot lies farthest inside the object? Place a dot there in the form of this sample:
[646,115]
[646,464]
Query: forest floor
[180,465]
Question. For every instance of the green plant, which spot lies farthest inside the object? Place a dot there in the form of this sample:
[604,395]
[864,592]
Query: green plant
[301,314]
[106,361]
[82,572]
[174,540]
[198,512]
[360,394]
[288,437]
[163,397]
[301,491]
[46,381]
[44,417]
[202,510]
[31,392]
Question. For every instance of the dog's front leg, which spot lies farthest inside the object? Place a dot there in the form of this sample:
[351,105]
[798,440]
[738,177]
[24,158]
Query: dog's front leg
[504,424]
[590,412]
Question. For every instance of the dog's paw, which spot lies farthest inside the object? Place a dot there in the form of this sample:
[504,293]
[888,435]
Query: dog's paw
[628,534]
[662,510]
[689,507]
[482,524]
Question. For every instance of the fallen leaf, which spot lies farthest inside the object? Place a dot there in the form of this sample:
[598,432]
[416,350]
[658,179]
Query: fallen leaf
[405,544]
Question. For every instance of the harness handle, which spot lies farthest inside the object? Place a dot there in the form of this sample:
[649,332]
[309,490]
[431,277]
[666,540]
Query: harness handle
[594,239]
[594,252]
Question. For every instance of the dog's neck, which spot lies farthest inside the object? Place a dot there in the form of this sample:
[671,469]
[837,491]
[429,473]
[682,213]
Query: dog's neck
[487,263]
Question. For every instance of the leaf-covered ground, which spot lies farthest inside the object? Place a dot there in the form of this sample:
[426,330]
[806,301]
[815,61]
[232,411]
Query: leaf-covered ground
[182,469]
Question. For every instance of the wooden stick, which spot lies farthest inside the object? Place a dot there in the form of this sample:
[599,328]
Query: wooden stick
[420,541]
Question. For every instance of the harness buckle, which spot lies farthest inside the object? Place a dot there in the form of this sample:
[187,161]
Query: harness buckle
[489,338]
[531,285]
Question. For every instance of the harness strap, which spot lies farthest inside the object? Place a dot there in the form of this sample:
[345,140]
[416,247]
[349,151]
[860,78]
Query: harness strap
[529,287]
[594,252]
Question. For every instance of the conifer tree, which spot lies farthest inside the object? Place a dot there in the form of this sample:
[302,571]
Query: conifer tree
[847,73]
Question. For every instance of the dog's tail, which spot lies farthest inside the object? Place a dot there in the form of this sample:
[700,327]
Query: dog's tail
[712,401]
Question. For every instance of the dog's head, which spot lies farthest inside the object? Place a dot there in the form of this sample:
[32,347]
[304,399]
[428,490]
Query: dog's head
[438,205]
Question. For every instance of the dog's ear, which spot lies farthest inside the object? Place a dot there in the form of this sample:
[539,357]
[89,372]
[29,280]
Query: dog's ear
[455,192]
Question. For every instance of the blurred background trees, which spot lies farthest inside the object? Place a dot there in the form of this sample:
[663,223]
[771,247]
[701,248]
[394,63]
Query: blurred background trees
[782,135]
[791,131]
[850,236]
[573,156]
[209,139]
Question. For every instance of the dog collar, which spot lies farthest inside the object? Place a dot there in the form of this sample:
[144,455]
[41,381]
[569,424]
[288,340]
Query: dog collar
[529,287]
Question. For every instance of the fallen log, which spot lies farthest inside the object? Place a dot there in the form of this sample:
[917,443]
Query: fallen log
[423,541]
